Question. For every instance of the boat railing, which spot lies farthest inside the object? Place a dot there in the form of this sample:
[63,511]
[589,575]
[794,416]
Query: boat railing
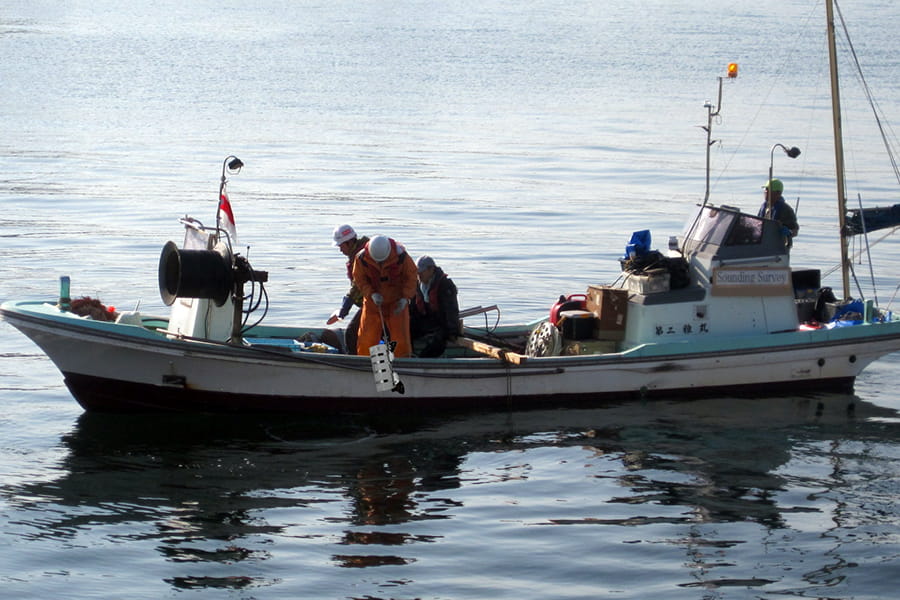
[477,310]
[480,310]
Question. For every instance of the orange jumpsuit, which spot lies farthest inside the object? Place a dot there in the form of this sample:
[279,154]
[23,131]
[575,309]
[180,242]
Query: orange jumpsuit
[395,278]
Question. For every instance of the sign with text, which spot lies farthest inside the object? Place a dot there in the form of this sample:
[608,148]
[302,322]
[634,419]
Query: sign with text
[751,281]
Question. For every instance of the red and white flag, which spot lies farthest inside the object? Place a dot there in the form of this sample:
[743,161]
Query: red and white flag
[225,217]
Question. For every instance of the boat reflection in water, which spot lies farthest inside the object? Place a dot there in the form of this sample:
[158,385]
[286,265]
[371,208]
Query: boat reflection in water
[237,502]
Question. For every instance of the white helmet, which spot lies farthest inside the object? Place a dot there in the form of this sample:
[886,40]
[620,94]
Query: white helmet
[343,233]
[379,248]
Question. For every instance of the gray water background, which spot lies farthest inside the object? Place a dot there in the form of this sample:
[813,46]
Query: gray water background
[518,144]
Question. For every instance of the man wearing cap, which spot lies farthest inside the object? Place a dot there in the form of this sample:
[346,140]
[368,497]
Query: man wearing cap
[434,317]
[345,238]
[774,207]
[386,276]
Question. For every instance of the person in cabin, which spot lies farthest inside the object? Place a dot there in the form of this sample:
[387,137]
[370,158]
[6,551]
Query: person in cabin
[349,243]
[434,317]
[776,208]
[386,276]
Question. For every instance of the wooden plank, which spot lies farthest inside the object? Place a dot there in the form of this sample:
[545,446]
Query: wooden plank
[492,351]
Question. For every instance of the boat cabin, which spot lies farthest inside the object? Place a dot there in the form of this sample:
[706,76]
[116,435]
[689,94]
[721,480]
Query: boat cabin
[723,235]
[738,282]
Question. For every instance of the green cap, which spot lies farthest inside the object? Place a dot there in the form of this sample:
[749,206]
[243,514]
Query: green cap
[775,185]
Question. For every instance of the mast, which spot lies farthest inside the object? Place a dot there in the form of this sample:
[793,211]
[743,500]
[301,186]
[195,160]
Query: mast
[838,146]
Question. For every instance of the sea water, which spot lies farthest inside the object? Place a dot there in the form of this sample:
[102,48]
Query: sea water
[519,145]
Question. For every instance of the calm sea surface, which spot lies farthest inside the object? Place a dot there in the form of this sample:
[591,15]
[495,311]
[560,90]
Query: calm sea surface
[518,144]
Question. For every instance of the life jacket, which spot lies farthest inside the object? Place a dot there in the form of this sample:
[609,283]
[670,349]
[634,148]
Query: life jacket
[390,270]
[360,244]
[433,305]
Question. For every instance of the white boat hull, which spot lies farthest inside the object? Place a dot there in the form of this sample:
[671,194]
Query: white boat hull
[113,367]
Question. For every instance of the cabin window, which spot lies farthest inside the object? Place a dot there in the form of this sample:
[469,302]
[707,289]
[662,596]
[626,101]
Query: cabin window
[711,225]
[747,230]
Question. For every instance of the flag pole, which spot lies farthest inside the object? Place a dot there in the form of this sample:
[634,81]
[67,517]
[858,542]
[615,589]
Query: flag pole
[231,164]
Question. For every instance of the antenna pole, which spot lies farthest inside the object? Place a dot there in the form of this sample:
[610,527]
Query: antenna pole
[709,141]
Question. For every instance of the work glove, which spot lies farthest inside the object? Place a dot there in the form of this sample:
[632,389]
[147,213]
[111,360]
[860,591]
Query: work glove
[788,237]
[377,299]
[402,303]
[342,312]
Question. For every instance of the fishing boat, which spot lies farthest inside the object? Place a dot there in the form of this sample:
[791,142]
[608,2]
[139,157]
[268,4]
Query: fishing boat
[721,311]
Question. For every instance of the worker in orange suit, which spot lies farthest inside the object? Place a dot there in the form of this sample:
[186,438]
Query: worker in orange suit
[386,275]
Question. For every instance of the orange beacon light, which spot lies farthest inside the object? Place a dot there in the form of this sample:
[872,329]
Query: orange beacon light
[732,70]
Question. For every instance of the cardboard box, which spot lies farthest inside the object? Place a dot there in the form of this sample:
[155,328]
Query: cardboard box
[610,307]
[609,335]
[652,282]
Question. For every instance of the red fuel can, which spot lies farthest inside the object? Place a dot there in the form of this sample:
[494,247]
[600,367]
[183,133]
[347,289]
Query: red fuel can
[570,302]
